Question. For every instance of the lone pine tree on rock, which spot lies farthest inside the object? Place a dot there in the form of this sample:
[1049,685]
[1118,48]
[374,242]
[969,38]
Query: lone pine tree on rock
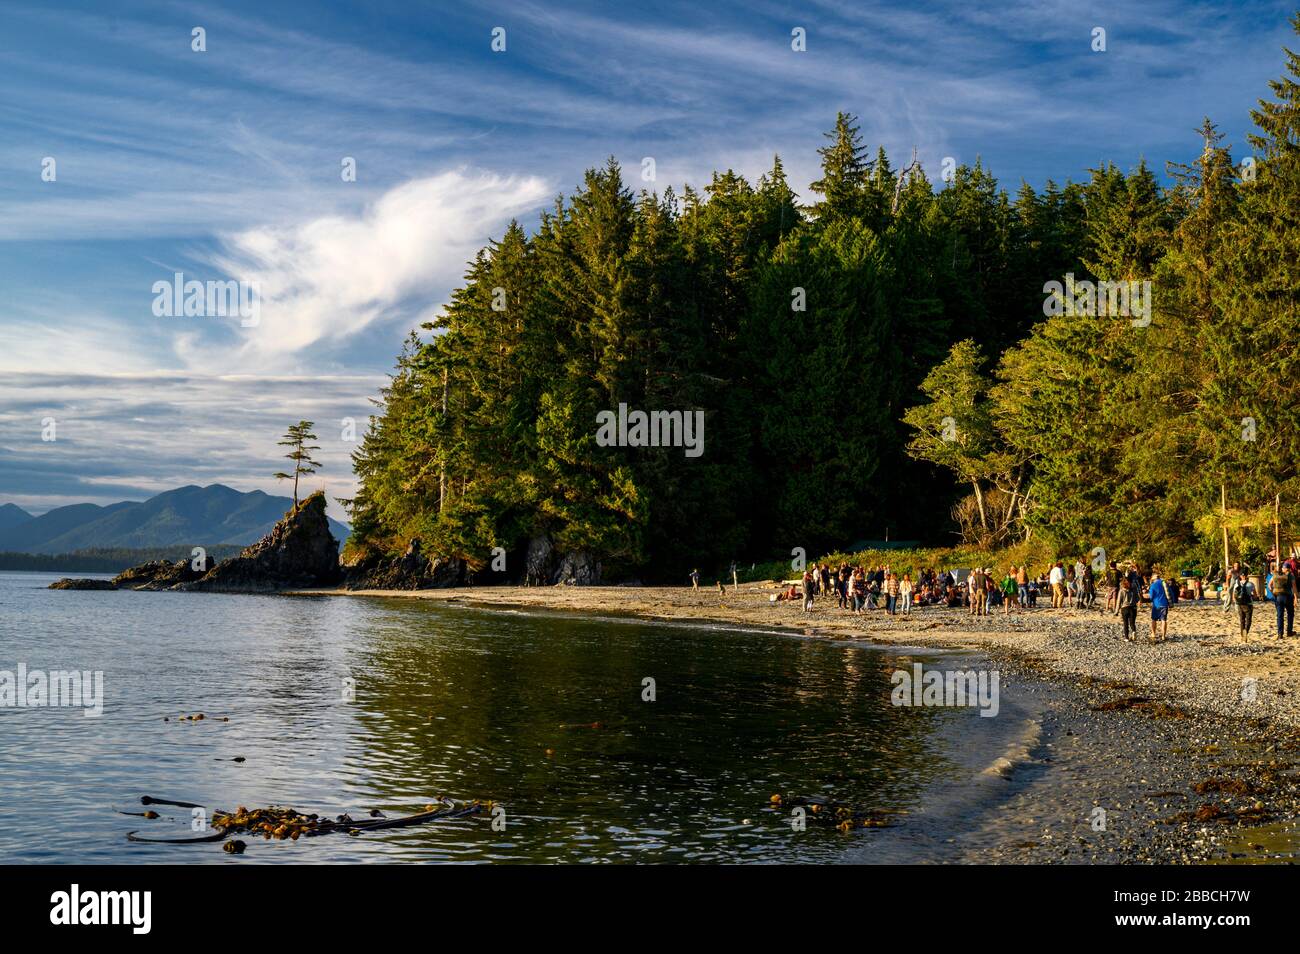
[296,438]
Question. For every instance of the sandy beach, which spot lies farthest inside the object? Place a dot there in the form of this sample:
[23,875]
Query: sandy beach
[1192,760]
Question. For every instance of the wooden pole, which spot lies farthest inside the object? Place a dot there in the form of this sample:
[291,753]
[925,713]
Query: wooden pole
[1223,496]
[1277,528]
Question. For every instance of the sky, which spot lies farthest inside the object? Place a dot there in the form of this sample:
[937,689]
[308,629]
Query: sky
[128,156]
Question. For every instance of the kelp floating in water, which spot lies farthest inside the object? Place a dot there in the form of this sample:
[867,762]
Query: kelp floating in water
[288,824]
[828,812]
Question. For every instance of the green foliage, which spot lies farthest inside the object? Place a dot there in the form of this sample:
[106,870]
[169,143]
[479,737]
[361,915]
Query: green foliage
[827,346]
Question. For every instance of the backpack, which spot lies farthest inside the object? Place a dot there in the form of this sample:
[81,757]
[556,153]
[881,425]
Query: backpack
[1279,584]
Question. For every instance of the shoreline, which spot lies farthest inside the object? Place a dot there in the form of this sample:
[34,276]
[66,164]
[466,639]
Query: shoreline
[1073,644]
[1159,736]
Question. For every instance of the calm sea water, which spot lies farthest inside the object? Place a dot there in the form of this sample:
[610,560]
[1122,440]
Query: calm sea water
[471,703]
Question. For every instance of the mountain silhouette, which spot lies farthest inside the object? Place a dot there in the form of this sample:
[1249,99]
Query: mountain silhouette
[189,516]
[11,515]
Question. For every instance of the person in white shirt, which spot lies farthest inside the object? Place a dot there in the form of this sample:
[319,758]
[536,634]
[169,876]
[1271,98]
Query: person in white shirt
[1057,579]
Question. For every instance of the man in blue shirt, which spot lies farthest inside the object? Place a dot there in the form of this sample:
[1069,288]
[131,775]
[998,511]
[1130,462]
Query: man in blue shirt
[1159,593]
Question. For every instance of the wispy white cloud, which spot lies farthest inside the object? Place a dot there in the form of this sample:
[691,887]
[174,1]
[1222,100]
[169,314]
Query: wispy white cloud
[330,277]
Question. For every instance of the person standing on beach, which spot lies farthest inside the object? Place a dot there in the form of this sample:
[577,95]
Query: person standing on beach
[1126,601]
[1112,588]
[1022,586]
[1009,589]
[808,588]
[1088,590]
[905,594]
[1159,593]
[892,589]
[695,579]
[975,590]
[1057,580]
[1243,594]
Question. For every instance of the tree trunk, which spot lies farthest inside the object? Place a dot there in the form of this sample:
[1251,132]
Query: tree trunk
[979,499]
[442,473]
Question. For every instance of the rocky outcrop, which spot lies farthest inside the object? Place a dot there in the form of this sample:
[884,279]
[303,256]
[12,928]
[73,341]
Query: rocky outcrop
[72,583]
[544,566]
[578,569]
[410,571]
[138,576]
[161,575]
[539,562]
[298,553]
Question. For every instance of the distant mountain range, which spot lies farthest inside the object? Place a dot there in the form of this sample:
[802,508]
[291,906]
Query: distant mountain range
[187,516]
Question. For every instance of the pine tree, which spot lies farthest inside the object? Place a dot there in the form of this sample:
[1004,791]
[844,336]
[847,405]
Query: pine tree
[845,172]
[296,439]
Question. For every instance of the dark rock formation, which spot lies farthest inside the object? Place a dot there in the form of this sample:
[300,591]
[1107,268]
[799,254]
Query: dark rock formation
[161,575]
[411,571]
[578,569]
[539,562]
[544,566]
[298,553]
[145,573]
[71,583]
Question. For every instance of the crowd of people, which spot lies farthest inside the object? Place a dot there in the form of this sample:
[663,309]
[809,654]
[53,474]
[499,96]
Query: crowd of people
[981,591]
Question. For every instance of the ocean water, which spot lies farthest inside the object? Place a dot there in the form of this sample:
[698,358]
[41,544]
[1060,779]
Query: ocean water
[344,704]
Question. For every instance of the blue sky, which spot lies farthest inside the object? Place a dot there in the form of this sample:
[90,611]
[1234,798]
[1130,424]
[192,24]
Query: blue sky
[226,164]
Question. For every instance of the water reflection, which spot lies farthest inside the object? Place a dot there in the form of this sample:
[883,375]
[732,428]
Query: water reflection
[542,713]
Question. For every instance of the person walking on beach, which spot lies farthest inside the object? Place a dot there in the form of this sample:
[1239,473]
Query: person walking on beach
[808,587]
[1057,579]
[905,594]
[695,579]
[1229,595]
[1126,601]
[1159,594]
[1282,588]
[1243,594]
